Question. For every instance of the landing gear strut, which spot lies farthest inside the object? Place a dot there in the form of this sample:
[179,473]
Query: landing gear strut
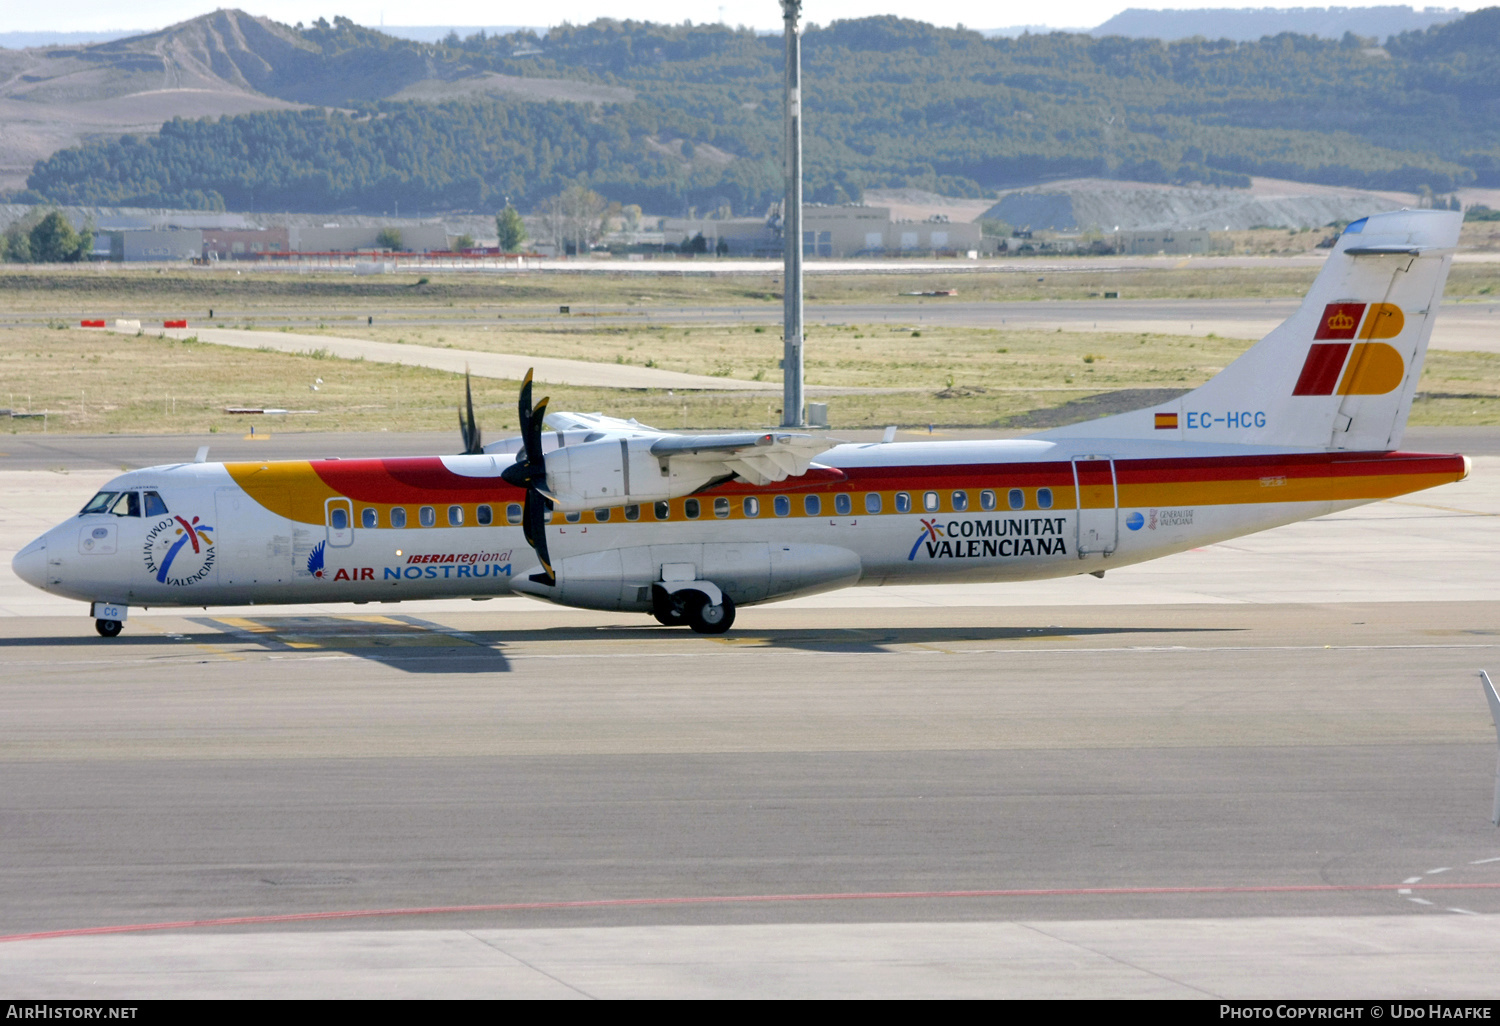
[108,628]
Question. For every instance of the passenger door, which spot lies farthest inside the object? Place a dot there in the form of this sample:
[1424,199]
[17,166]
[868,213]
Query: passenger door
[339,514]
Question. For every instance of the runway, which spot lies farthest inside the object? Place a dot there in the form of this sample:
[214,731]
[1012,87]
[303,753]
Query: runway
[1214,775]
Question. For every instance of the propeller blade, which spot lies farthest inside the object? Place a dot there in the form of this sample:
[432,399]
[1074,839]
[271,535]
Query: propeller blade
[523,411]
[473,440]
[529,501]
[535,517]
[534,438]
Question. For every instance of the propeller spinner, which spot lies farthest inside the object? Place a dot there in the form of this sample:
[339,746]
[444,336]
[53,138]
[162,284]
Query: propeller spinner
[530,472]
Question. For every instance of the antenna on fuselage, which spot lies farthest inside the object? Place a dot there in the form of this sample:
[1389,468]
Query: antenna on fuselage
[202,456]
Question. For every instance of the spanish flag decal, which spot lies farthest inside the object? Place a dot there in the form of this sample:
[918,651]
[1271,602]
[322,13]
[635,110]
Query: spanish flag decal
[1166,422]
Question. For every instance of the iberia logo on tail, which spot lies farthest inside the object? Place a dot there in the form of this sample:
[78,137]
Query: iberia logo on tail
[1334,366]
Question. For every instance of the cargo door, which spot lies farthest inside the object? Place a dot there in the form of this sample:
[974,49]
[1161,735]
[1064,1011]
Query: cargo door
[249,547]
[1098,498]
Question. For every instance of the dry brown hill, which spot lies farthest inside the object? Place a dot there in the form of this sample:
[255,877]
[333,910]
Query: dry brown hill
[227,62]
[58,96]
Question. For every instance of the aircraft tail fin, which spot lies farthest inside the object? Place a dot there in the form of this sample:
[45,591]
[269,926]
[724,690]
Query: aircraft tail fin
[1341,372]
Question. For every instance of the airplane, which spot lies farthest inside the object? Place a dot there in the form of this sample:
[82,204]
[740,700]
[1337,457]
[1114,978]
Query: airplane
[608,514]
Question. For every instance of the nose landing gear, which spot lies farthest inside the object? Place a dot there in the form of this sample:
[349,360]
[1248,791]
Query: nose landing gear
[109,617]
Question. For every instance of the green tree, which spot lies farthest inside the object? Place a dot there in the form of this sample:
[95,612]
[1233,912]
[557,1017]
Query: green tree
[53,241]
[463,242]
[15,245]
[389,238]
[512,230]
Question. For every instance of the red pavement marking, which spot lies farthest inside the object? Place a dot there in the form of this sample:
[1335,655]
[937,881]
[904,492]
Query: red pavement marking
[738,899]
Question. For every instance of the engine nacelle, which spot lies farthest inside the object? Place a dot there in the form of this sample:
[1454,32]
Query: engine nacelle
[619,471]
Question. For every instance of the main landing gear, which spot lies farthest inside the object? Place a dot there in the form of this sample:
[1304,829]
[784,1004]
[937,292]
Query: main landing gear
[693,609]
[108,628]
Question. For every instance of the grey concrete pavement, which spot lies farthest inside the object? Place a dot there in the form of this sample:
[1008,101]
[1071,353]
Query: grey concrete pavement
[1390,957]
[1460,326]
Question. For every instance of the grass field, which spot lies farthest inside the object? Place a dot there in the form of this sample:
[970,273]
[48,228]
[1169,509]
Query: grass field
[90,382]
[238,295]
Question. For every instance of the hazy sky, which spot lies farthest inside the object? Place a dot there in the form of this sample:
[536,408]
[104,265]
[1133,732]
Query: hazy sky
[96,15]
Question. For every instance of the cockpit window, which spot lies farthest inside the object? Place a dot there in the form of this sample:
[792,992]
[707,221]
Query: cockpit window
[99,503]
[127,505]
[154,506]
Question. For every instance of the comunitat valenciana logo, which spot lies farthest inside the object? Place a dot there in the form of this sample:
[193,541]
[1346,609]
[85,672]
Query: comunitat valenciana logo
[179,552]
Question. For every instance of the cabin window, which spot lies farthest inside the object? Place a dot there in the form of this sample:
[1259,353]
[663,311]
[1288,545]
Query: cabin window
[812,505]
[601,515]
[1016,498]
[960,501]
[751,506]
[485,516]
[843,505]
[930,501]
[987,499]
[154,506]
[632,512]
[398,516]
[369,517]
[721,507]
[903,502]
[692,509]
[1044,498]
[783,506]
[512,514]
[427,516]
[99,503]
[338,518]
[455,516]
[872,502]
[572,518]
[127,505]
[662,510]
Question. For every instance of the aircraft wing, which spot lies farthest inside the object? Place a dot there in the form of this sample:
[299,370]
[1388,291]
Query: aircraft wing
[758,458]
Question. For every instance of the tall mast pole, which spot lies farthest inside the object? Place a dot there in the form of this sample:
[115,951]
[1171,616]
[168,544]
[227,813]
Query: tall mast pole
[792,405]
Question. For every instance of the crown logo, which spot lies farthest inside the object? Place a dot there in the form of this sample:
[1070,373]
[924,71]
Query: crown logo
[1340,322]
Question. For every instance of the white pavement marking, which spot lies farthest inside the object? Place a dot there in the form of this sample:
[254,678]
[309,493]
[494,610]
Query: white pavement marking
[480,364]
[1445,546]
[1389,957]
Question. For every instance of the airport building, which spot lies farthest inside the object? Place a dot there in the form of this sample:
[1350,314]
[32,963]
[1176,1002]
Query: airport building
[827,231]
[156,246]
[239,243]
[1146,241]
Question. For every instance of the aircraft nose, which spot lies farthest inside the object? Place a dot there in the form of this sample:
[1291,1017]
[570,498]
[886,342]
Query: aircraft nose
[30,564]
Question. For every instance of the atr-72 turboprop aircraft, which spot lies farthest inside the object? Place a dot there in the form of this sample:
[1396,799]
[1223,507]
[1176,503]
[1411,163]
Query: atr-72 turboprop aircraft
[609,514]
